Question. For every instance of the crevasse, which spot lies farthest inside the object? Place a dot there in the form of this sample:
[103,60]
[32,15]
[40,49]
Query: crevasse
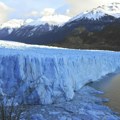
[44,75]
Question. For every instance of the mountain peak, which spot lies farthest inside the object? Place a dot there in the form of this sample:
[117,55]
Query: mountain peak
[112,9]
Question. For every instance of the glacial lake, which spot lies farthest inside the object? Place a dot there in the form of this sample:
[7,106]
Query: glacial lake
[110,85]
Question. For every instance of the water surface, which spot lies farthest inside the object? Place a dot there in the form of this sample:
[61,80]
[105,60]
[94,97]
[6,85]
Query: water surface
[111,87]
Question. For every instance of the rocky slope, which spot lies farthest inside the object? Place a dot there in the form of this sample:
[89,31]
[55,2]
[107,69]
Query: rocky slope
[106,39]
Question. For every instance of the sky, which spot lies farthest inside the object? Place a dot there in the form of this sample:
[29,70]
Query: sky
[23,9]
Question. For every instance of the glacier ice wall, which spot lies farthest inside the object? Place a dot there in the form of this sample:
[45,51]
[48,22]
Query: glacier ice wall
[41,75]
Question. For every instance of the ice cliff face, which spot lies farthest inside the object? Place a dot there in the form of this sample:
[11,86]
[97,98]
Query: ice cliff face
[39,74]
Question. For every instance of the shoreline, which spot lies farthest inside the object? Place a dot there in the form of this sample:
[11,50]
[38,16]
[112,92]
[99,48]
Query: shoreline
[110,86]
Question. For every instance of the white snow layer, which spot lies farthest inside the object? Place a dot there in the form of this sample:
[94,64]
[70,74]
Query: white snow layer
[43,75]
[112,9]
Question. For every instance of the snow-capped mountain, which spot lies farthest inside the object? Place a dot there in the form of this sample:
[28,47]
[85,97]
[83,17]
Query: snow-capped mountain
[31,27]
[55,28]
[17,23]
[10,25]
[25,28]
[112,9]
[55,20]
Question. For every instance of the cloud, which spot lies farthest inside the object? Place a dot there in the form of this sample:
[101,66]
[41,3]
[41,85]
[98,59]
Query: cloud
[4,12]
[48,12]
[55,19]
[78,6]
[50,15]
[68,11]
[45,12]
[34,13]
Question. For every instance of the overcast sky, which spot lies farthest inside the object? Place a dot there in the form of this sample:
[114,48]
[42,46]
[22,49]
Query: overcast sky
[10,9]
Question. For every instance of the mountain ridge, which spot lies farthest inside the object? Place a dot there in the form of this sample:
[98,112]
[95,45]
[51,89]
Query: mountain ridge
[45,34]
[112,9]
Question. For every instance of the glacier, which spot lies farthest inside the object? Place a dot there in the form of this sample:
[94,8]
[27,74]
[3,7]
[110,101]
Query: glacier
[45,75]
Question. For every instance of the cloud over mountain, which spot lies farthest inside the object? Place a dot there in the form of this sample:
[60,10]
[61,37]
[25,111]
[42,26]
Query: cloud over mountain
[50,15]
[4,12]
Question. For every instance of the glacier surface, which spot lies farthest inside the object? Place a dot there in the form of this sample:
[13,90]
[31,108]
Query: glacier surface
[44,75]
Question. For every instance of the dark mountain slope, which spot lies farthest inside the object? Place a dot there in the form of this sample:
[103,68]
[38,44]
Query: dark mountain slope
[42,34]
[80,38]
